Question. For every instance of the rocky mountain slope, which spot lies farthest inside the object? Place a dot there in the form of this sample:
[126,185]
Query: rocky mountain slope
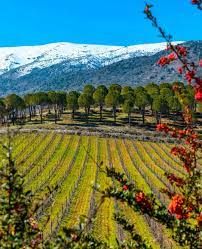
[68,66]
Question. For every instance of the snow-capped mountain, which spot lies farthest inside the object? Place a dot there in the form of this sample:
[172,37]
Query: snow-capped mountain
[67,66]
[27,58]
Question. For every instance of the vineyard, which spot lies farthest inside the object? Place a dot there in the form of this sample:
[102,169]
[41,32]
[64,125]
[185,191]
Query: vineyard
[62,169]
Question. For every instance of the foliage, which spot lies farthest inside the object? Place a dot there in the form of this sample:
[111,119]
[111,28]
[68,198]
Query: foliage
[72,101]
[99,97]
[18,229]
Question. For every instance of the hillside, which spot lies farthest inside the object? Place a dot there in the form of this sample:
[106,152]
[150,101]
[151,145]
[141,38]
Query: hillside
[131,66]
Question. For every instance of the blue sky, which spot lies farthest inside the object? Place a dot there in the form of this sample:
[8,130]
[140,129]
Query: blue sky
[112,22]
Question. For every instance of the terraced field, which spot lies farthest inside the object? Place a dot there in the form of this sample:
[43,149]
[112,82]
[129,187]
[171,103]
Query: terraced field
[67,164]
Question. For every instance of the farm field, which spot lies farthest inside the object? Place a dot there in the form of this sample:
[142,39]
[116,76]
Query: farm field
[68,166]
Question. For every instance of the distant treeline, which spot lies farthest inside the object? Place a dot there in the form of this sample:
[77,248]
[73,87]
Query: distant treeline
[160,99]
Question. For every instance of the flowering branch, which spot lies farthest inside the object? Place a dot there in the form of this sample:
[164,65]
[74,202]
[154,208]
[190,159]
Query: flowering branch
[198,3]
[189,69]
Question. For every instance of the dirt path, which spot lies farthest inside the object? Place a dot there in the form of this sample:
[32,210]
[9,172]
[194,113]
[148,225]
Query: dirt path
[147,136]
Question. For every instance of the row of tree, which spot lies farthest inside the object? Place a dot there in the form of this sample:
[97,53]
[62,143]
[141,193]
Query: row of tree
[160,99]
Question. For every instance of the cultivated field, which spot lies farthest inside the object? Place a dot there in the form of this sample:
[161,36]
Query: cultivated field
[67,167]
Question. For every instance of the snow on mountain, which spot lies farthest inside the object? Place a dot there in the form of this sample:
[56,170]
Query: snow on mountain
[27,58]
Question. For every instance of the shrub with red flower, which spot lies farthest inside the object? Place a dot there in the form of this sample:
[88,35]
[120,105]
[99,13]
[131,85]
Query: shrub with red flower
[185,201]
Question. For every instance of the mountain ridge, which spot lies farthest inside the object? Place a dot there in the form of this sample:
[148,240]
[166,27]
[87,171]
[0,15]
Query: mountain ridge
[49,54]
[135,70]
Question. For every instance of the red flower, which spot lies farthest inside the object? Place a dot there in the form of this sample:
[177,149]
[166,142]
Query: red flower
[163,61]
[140,197]
[180,70]
[194,1]
[181,50]
[190,75]
[199,219]
[198,95]
[182,133]
[176,207]
[200,63]
[143,201]
[125,187]
[162,127]
[172,56]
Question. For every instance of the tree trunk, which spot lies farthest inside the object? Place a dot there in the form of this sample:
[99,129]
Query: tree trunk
[73,112]
[41,114]
[114,114]
[157,118]
[143,115]
[86,112]
[56,115]
[129,119]
[101,112]
[160,117]
[34,110]
[13,118]
[30,113]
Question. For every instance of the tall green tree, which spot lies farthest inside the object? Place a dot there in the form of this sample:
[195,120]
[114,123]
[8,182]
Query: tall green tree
[113,98]
[99,98]
[62,103]
[160,106]
[165,85]
[14,104]
[89,89]
[85,101]
[128,98]
[166,92]
[29,102]
[174,104]
[54,101]
[142,100]
[72,102]
[153,91]
[2,110]
[189,94]
[126,90]
[128,106]
[139,89]
[115,87]
[42,100]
